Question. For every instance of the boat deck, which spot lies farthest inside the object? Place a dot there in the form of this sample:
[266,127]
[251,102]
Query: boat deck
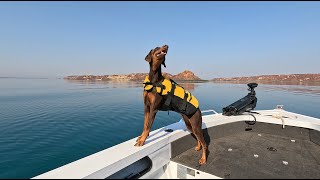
[265,152]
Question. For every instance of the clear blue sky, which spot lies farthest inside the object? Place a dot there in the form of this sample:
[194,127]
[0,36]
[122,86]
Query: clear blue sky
[212,39]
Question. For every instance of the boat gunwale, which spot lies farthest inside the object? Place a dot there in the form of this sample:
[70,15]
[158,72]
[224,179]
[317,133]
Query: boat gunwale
[115,158]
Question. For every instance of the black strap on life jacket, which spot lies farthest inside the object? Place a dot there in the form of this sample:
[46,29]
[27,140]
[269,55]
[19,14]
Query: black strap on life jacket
[146,84]
[162,87]
[170,94]
[184,103]
[190,97]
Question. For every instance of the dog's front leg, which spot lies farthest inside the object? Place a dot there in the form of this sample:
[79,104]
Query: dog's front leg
[146,116]
[149,118]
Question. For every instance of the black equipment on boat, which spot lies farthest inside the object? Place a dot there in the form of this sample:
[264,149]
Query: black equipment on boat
[245,104]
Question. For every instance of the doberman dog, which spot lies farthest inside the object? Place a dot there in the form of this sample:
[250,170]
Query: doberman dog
[153,102]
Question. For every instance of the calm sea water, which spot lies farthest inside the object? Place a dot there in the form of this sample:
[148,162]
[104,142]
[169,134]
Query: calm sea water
[47,123]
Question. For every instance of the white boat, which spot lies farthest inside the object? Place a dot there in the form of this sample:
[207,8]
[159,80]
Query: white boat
[281,144]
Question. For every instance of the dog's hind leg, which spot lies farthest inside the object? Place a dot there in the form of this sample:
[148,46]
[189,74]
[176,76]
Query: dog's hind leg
[189,127]
[196,123]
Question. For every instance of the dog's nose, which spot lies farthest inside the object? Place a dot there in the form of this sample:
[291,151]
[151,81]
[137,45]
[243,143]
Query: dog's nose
[165,46]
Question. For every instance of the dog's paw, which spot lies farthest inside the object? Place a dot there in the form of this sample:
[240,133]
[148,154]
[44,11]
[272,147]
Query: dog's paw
[138,138]
[202,161]
[139,143]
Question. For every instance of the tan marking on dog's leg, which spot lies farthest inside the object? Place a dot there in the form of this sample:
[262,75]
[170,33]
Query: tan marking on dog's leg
[146,117]
[189,127]
[198,147]
[154,105]
[147,129]
[196,123]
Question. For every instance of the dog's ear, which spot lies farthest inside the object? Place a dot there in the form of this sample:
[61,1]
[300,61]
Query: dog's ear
[148,58]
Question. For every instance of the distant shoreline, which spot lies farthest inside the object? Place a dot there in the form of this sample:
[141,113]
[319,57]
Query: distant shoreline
[308,83]
[188,76]
[273,79]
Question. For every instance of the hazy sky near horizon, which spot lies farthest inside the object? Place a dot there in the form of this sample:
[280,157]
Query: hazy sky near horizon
[212,39]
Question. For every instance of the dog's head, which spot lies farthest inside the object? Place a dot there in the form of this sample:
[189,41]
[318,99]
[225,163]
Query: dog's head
[157,56]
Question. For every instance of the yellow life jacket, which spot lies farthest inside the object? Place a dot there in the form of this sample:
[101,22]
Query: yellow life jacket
[165,88]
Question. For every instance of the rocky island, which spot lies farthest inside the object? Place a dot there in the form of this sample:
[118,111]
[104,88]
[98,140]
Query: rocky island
[186,75]
[274,79]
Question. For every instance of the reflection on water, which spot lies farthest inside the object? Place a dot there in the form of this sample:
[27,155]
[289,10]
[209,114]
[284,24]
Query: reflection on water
[106,84]
[295,89]
[189,86]
[120,84]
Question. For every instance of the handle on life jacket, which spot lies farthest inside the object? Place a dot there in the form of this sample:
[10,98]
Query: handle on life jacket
[170,95]
[183,106]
